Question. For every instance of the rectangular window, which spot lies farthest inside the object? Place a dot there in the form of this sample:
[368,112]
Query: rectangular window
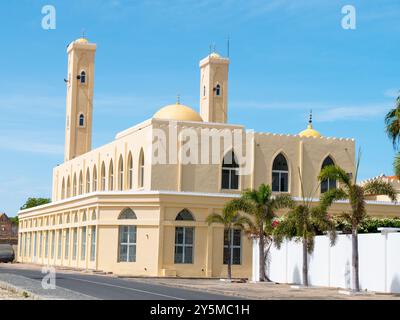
[83,243]
[66,253]
[184,239]
[280,181]
[46,245]
[75,244]
[127,244]
[40,244]
[53,239]
[93,244]
[29,245]
[21,239]
[25,241]
[59,247]
[34,244]
[235,239]
[230,179]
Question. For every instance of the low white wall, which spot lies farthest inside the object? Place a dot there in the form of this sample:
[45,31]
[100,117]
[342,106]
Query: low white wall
[379,256]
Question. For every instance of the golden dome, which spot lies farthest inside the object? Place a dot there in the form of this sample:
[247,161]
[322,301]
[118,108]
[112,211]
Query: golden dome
[178,112]
[310,132]
[82,40]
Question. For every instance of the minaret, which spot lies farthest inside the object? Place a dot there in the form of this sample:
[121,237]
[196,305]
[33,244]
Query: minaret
[214,88]
[80,82]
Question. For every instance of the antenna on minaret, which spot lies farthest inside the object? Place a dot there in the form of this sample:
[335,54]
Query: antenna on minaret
[209,53]
[214,49]
[228,46]
[83,34]
[310,119]
[178,99]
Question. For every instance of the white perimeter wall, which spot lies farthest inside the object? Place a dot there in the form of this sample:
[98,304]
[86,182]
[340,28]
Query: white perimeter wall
[379,256]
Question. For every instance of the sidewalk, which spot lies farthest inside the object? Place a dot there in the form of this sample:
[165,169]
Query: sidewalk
[33,289]
[265,290]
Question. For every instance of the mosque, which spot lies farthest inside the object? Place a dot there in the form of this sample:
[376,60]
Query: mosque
[138,205]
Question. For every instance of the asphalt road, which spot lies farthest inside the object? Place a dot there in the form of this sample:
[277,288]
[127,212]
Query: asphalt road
[111,288]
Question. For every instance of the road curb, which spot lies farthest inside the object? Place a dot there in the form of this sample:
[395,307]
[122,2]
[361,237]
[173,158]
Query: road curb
[19,290]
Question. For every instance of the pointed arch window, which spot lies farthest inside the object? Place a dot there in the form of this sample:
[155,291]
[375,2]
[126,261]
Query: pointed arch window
[130,171]
[126,214]
[121,174]
[218,90]
[230,172]
[81,120]
[63,189]
[74,186]
[141,169]
[103,177]
[184,215]
[111,177]
[68,188]
[329,183]
[87,180]
[82,77]
[94,184]
[80,189]
[280,174]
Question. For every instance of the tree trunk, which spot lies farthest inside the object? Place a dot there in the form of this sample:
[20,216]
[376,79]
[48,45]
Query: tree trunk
[229,256]
[267,279]
[261,245]
[354,258]
[305,263]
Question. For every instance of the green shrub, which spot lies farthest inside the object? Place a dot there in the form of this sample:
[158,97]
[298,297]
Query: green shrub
[369,225]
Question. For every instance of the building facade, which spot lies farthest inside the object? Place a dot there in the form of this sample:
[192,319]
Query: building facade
[138,205]
[8,230]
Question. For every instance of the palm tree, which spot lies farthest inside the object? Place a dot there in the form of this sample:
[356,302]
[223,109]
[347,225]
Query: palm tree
[303,223]
[356,194]
[392,121]
[231,219]
[262,205]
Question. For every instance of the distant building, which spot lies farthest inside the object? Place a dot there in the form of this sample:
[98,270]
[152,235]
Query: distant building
[393,180]
[8,230]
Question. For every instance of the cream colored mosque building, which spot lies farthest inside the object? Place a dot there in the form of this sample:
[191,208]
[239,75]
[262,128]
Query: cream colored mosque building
[117,210]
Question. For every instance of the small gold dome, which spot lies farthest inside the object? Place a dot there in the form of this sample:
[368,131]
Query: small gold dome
[310,132]
[82,40]
[178,112]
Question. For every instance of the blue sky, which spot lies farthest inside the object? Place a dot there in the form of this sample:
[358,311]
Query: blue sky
[287,56]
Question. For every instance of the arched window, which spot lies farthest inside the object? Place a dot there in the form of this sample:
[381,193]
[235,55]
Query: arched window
[68,188]
[184,215]
[130,171]
[141,169]
[82,77]
[84,216]
[204,91]
[111,177]
[103,177]
[68,219]
[230,172]
[80,189]
[60,219]
[63,189]
[127,213]
[94,217]
[87,180]
[81,120]
[280,174]
[74,185]
[76,218]
[94,185]
[329,183]
[184,239]
[218,90]
[121,174]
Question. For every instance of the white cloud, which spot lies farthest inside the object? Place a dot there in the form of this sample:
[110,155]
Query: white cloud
[25,145]
[350,113]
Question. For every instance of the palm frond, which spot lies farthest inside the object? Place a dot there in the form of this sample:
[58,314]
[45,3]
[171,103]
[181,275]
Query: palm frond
[328,197]
[282,201]
[379,187]
[333,172]
[396,165]
[215,218]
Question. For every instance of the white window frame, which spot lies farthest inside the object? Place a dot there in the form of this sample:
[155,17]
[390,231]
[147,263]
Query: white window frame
[83,242]
[280,172]
[233,246]
[184,245]
[128,243]
[66,249]
[93,243]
